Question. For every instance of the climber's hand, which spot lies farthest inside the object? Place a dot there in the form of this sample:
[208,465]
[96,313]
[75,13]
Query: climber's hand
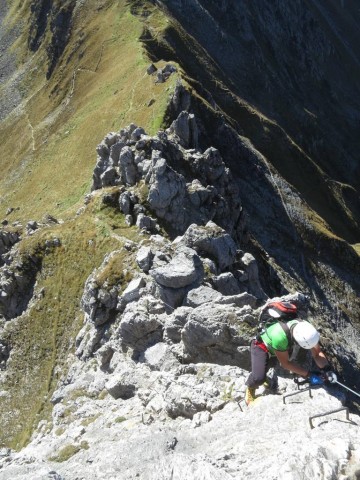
[316,378]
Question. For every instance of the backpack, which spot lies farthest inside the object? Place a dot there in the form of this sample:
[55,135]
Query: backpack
[278,312]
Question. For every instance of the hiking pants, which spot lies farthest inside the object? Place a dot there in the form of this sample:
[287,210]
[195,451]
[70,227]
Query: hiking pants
[260,364]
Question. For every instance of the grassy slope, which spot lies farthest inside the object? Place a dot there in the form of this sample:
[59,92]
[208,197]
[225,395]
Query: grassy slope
[47,158]
[43,336]
[48,146]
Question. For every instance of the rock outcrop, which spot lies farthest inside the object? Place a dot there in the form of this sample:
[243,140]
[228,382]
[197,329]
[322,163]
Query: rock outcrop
[16,287]
[184,185]
[7,240]
[155,384]
[18,278]
[173,298]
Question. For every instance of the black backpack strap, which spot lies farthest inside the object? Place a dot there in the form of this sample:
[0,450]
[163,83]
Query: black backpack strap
[287,331]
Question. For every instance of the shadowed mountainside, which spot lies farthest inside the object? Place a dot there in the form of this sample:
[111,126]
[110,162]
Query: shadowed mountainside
[297,65]
[276,89]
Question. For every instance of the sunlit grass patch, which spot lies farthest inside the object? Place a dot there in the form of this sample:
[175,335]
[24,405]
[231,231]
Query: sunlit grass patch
[48,147]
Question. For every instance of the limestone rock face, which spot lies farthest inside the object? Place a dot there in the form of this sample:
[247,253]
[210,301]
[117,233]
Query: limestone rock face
[253,276]
[7,240]
[201,295]
[144,258]
[121,385]
[133,290]
[160,357]
[227,284]
[186,129]
[174,323]
[137,329]
[184,184]
[18,280]
[213,333]
[190,421]
[183,270]
[172,301]
[144,222]
[155,389]
[99,302]
[127,166]
[214,241]
[159,375]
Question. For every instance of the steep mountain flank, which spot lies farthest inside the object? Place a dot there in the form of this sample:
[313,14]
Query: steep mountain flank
[133,269]
[49,125]
[274,75]
[283,62]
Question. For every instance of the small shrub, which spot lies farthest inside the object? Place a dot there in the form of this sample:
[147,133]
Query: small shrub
[89,420]
[103,394]
[120,419]
[65,453]
[79,392]
[227,395]
[69,451]
[84,445]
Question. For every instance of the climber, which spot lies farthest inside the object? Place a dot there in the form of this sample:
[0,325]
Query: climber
[277,341]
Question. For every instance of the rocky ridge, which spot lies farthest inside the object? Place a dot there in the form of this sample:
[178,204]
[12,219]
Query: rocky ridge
[18,272]
[162,358]
[156,384]
[185,186]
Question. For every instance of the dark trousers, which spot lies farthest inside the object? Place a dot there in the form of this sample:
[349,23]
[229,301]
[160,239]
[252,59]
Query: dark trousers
[260,364]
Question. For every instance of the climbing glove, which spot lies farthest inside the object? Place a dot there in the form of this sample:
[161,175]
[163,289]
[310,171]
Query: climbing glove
[316,379]
[329,377]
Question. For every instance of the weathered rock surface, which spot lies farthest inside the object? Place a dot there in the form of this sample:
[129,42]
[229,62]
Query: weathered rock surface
[207,324]
[138,328]
[144,258]
[201,295]
[184,185]
[252,274]
[213,333]
[99,301]
[184,269]
[160,357]
[17,282]
[7,240]
[161,365]
[134,407]
[188,423]
[214,241]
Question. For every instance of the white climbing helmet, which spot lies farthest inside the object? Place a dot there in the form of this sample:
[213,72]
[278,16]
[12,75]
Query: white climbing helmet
[306,335]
